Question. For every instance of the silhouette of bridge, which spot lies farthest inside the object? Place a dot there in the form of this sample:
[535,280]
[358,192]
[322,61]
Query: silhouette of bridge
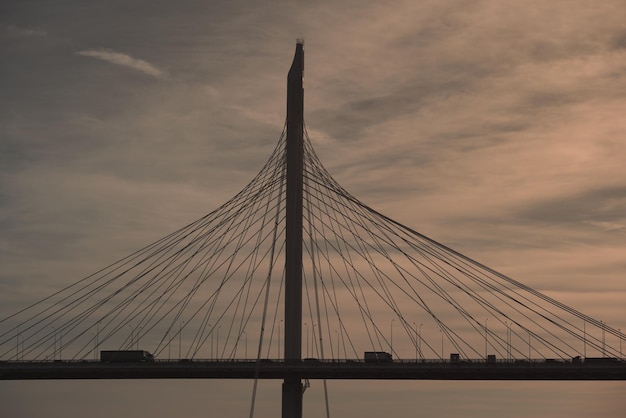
[294,278]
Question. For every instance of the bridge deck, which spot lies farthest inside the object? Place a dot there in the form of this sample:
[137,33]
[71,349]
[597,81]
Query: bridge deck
[241,369]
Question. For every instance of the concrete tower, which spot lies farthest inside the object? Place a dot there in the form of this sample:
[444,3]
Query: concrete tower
[292,386]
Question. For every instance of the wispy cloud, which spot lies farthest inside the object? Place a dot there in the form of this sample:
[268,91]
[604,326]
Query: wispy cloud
[12,31]
[124,60]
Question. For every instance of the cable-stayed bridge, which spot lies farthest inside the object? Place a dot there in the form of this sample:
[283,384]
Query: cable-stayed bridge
[294,278]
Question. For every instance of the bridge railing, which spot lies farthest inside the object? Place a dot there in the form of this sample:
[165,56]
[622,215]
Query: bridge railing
[608,361]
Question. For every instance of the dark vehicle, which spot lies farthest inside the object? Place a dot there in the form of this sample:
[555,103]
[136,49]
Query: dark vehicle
[126,356]
[377,357]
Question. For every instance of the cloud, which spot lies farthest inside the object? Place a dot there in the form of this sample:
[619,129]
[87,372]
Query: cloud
[603,207]
[609,226]
[125,61]
[12,31]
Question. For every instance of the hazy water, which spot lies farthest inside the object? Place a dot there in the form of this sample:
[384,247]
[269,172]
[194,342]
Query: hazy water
[363,399]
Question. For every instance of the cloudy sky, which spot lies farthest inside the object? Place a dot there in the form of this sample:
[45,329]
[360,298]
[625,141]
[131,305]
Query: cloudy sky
[495,127]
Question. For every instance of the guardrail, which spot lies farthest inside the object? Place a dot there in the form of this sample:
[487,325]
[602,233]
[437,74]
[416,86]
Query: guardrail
[348,362]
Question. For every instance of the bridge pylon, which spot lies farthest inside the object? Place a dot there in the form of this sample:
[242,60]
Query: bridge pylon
[292,386]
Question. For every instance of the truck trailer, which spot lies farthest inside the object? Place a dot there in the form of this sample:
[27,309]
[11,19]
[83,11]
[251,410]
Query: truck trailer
[377,357]
[126,356]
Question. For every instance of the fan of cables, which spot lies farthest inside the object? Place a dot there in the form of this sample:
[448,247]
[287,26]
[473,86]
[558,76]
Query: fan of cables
[214,289]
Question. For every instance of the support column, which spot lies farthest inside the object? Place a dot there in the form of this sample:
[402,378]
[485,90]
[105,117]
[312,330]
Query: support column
[292,386]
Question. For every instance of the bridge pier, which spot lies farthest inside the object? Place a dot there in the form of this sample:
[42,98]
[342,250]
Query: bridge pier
[292,398]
